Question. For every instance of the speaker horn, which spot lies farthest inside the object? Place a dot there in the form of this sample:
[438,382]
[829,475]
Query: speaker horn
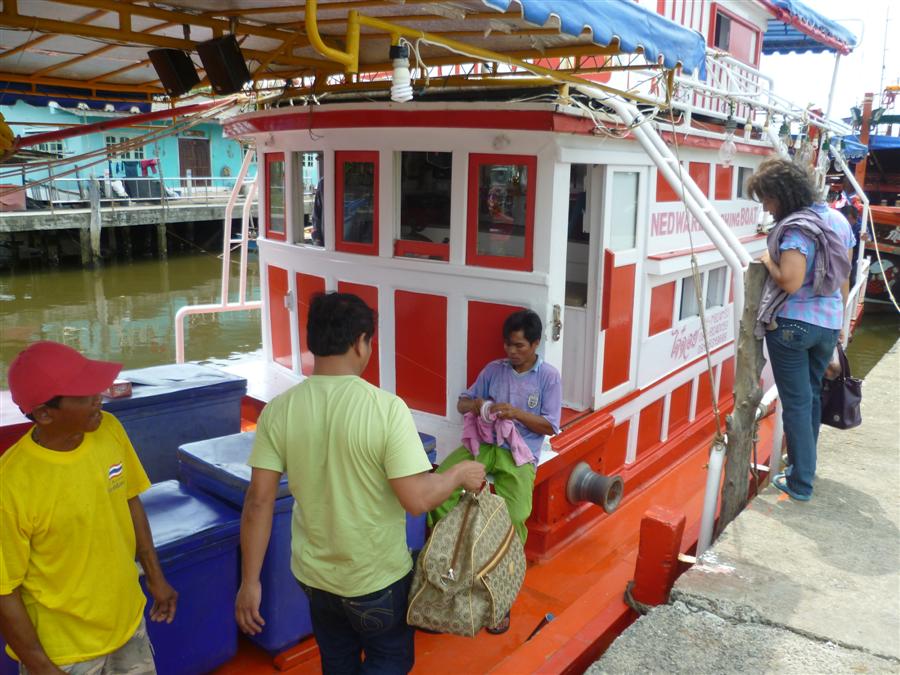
[586,485]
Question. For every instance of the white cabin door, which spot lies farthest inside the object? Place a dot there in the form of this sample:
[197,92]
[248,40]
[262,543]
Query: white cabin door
[618,275]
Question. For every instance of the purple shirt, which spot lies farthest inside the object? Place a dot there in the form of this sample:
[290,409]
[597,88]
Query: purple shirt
[803,305]
[537,391]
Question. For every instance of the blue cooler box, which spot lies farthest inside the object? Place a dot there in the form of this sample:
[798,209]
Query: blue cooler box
[7,665]
[415,525]
[218,466]
[176,404]
[197,540]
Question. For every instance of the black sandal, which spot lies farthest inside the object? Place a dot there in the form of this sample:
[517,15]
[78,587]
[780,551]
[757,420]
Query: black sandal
[501,627]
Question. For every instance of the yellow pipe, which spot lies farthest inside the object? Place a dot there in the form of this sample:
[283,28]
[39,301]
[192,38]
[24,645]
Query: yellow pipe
[488,55]
[315,40]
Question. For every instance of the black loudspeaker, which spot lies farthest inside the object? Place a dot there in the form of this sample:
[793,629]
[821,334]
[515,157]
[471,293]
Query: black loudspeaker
[175,69]
[224,64]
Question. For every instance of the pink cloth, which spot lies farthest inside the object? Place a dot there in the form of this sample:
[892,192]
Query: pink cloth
[477,430]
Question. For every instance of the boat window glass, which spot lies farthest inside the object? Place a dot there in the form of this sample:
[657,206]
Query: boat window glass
[356,202]
[744,173]
[689,306]
[624,206]
[501,211]
[424,205]
[715,288]
[309,191]
[275,195]
[737,36]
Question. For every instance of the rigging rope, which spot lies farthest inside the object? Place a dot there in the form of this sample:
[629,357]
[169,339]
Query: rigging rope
[698,288]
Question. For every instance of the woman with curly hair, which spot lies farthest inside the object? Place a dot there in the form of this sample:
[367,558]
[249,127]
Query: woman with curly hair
[802,307]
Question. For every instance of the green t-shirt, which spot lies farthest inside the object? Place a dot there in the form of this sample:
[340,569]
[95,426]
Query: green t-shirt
[340,439]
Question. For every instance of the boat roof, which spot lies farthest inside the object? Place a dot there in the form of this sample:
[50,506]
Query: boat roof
[796,27]
[97,49]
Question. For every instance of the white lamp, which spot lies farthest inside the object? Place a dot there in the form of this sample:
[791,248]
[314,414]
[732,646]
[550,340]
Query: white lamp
[401,87]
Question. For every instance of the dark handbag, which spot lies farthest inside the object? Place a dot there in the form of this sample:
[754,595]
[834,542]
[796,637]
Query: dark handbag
[841,397]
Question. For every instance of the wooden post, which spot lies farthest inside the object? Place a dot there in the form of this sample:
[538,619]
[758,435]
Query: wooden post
[860,171]
[741,424]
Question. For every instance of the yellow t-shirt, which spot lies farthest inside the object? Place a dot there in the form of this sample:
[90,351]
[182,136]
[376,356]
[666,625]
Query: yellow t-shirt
[340,439]
[67,541]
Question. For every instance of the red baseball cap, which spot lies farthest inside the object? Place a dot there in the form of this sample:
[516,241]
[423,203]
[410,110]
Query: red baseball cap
[44,370]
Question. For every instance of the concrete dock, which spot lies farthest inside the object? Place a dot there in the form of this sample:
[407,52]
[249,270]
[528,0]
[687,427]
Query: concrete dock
[794,587]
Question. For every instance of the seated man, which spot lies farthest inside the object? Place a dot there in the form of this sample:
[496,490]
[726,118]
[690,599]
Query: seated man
[528,392]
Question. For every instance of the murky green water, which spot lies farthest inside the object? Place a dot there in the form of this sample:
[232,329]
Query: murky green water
[125,311]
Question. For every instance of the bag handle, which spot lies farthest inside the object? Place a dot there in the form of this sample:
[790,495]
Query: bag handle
[844,363]
[450,575]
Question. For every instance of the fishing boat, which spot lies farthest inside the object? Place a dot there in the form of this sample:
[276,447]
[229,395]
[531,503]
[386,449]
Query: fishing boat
[479,156]
[879,174]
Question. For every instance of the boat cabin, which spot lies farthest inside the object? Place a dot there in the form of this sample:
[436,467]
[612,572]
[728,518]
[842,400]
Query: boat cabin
[446,217]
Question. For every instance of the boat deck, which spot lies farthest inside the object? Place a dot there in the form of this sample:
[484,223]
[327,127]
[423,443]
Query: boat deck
[582,586]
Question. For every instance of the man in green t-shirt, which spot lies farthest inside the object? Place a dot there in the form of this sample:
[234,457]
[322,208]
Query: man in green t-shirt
[355,465]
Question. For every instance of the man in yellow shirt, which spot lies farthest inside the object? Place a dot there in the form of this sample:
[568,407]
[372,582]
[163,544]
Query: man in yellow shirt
[355,465]
[71,523]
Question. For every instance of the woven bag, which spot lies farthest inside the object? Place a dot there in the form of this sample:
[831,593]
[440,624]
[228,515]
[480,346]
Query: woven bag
[471,569]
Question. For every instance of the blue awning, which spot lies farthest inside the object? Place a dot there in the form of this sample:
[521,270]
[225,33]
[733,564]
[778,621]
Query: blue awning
[624,20]
[877,142]
[852,149]
[797,28]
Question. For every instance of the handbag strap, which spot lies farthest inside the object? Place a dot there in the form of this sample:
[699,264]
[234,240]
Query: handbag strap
[842,360]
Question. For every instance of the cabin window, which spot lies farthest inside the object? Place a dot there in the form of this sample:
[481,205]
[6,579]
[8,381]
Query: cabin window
[275,214]
[356,202]
[624,205]
[715,288]
[308,198]
[688,307]
[501,211]
[732,34]
[424,205]
[55,147]
[744,173]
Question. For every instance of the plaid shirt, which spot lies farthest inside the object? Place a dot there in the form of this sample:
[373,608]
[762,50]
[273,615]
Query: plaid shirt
[820,310]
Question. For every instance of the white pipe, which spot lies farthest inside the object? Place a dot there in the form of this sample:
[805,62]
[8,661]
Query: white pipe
[245,233]
[203,309]
[837,62]
[711,498]
[226,228]
[776,143]
[777,441]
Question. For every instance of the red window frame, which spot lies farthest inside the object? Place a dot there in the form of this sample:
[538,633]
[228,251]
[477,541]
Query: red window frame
[272,157]
[341,157]
[525,263]
[715,10]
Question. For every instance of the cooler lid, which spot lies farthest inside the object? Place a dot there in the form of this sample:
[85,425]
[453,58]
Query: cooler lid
[183,520]
[173,382]
[225,460]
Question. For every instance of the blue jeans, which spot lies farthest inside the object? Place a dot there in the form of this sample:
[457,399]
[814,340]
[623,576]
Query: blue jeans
[372,624]
[799,353]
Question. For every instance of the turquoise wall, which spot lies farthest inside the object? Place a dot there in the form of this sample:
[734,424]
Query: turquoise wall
[225,154]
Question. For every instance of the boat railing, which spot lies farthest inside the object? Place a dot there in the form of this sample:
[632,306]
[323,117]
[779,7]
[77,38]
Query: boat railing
[229,243]
[122,192]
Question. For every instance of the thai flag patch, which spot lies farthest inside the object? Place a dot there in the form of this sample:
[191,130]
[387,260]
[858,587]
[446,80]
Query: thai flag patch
[115,471]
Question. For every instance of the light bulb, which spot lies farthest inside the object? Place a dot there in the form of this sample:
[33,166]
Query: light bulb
[728,149]
[401,86]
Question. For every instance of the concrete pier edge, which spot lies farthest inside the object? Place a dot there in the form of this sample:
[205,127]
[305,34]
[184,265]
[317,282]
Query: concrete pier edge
[794,587]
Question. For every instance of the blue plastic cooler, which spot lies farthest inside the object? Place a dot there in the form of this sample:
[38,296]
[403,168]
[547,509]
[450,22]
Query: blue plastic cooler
[176,404]
[218,466]
[197,539]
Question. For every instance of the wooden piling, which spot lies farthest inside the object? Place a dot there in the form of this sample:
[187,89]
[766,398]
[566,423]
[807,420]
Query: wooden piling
[741,424]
